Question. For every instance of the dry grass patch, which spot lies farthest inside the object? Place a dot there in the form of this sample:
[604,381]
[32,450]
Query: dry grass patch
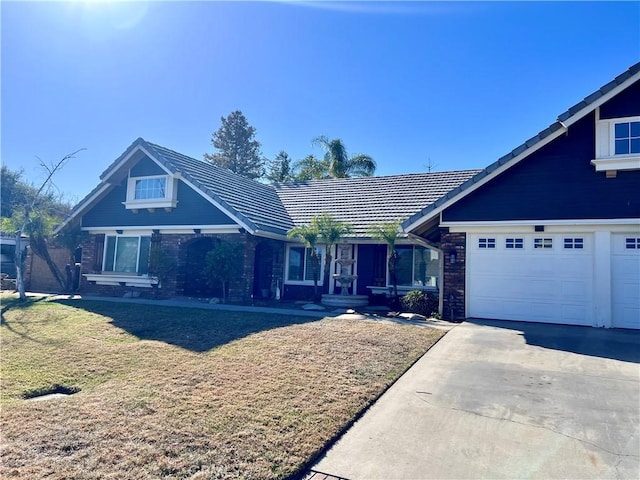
[185,393]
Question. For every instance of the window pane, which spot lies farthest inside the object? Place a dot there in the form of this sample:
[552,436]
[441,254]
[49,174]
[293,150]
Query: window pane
[145,248]
[622,130]
[622,147]
[110,252]
[635,145]
[296,263]
[404,265]
[150,188]
[126,254]
[308,274]
[426,267]
[635,129]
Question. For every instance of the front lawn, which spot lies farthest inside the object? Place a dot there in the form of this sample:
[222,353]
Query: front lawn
[185,393]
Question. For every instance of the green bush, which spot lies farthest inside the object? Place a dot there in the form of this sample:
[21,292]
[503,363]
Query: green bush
[424,303]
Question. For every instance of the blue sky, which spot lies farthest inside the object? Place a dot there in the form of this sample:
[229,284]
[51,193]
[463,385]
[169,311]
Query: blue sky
[458,83]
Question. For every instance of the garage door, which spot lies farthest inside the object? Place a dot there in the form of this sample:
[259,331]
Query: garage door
[625,281]
[537,278]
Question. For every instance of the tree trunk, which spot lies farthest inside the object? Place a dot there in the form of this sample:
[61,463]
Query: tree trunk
[327,269]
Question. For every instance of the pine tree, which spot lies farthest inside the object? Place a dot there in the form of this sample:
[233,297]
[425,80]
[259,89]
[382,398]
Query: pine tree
[238,150]
[280,169]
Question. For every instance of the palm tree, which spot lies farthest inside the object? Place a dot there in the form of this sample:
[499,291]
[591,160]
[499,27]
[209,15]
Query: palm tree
[388,233]
[340,164]
[308,234]
[331,231]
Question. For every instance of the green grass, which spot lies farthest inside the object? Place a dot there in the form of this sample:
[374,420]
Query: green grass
[185,393]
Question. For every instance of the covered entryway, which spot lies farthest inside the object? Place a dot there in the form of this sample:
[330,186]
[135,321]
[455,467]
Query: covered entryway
[625,280]
[195,279]
[263,271]
[537,277]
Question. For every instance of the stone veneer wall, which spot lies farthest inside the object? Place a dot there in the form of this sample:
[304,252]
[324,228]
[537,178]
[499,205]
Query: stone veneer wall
[176,246]
[453,291]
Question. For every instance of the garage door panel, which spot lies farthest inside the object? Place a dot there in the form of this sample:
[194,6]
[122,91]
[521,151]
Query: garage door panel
[540,285]
[625,282]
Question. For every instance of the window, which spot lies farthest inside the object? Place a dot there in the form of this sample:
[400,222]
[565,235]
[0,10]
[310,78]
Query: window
[632,243]
[124,254]
[486,243]
[300,266]
[147,188]
[627,138]
[514,243]
[158,191]
[542,243]
[417,266]
[617,145]
[575,243]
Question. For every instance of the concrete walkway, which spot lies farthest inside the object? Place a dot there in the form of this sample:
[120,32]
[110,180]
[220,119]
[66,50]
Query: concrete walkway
[192,303]
[504,400]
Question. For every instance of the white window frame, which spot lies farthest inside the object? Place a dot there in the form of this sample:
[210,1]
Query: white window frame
[321,249]
[169,200]
[113,260]
[514,243]
[605,157]
[404,287]
[543,243]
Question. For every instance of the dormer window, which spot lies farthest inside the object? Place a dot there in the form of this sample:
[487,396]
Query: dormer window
[151,192]
[617,144]
[626,138]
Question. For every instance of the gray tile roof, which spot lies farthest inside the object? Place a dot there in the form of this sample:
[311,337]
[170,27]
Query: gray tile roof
[255,203]
[563,117]
[363,202]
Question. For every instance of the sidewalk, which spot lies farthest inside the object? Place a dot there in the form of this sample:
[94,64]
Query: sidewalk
[193,303]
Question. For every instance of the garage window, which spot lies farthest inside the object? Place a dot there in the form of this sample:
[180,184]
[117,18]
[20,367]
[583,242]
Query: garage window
[575,243]
[632,243]
[542,243]
[486,243]
[514,243]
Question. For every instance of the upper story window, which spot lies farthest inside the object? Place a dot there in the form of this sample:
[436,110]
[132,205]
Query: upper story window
[617,144]
[151,192]
[147,188]
[626,138]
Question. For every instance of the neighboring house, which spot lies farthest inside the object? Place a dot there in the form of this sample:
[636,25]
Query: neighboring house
[7,253]
[152,196]
[551,231]
[548,233]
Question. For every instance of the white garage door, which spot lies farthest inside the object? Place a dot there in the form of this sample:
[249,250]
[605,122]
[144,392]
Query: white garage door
[531,277]
[625,281]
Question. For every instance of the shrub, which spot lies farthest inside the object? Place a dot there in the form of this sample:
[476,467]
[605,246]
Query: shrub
[424,303]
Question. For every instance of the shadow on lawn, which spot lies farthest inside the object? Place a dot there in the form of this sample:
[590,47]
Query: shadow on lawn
[194,329]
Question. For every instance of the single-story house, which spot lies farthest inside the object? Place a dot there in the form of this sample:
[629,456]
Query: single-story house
[548,233]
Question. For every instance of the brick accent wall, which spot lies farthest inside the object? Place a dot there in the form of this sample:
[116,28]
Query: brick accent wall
[453,290]
[176,246]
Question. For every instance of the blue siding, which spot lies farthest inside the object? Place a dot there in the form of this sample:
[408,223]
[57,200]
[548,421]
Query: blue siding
[146,167]
[192,209]
[625,104]
[556,182]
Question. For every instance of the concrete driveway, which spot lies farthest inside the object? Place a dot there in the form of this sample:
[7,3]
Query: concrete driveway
[505,400]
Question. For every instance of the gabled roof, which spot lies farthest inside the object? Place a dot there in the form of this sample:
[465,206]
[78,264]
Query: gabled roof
[364,202]
[271,209]
[572,115]
[255,203]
